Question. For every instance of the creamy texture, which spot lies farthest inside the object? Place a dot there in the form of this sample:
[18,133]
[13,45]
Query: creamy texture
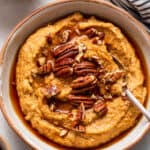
[121,114]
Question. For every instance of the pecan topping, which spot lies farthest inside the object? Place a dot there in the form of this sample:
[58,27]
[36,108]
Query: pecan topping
[45,69]
[77,100]
[100,107]
[85,68]
[69,60]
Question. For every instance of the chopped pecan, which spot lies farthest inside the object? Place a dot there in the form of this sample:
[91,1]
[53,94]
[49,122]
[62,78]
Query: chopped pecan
[108,96]
[101,35]
[79,128]
[100,107]
[63,132]
[45,51]
[82,109]
[92,32]
[66,36]
[45,69]
[52,107]
[97,36]
[77,100]
[77,31]
[113,76]
[85,68]
[96,40]
[82,49]
[50,91]
[79,118]
[63,71]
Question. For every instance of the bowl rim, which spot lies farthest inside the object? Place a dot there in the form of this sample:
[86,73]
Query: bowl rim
[36,11]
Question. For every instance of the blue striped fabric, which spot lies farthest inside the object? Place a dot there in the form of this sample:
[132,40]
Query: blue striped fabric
[138,8]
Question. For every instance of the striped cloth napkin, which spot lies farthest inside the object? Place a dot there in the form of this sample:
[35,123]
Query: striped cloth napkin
[140,9]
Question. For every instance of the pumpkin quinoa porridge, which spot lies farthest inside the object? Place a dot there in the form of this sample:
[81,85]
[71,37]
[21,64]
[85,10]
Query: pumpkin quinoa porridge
[70,77]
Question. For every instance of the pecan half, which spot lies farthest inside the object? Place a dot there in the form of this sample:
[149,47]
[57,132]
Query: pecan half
[77,100]
[65,61]
[65,49]
[70,54]
[83,84]
[63,71]
[45,69]
[100,107]
[85,68]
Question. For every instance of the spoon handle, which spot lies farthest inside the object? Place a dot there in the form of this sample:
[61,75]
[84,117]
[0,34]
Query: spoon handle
[132,98]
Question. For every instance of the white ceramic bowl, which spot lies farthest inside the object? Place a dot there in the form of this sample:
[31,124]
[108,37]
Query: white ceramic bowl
[4,145]
[50,13]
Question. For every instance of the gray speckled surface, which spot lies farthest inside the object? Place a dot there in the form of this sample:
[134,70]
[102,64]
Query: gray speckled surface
[11,12]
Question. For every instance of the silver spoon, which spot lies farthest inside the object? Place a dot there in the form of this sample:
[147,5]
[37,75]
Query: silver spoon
[132,98]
